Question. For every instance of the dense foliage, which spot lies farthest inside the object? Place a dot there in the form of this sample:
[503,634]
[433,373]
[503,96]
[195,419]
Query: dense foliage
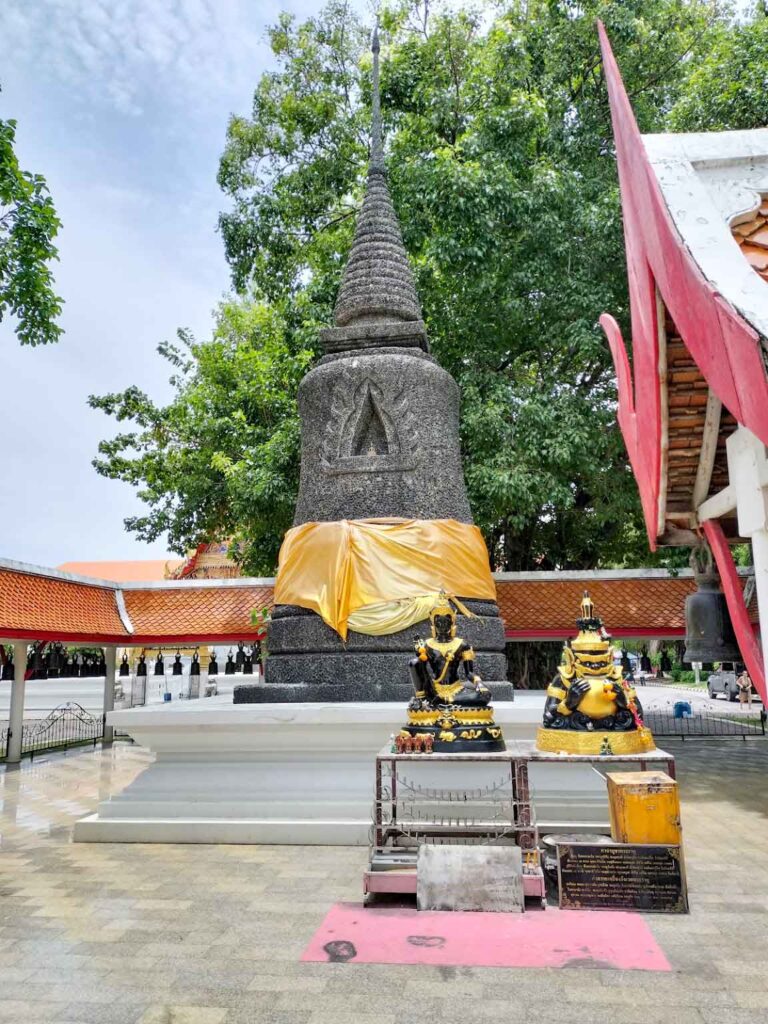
[28,226]
[502,170]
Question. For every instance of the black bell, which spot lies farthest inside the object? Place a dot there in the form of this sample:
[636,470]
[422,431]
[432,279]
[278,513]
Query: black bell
[709,632]
[177,669]
[159,664]
[194,668]
[125,668]
[39,665]
[248,664]
[213,665]
[239,657]
[141,668]
[8,670]
[229,667]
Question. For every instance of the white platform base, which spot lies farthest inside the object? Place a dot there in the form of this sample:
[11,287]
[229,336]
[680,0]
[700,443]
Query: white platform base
[291,774]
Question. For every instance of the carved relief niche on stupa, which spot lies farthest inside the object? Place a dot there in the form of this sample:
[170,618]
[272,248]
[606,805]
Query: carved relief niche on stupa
[369,430]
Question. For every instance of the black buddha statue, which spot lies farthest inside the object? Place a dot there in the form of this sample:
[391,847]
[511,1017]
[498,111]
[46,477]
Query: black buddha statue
[240,657]
[450,710]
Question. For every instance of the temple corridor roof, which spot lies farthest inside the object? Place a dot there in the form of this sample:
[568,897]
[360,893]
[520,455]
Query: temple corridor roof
[45,604]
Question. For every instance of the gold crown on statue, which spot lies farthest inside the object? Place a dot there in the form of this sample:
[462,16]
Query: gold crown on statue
[442,606]
[592,639]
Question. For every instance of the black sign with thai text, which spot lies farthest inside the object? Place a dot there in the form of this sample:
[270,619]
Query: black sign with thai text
[622,877]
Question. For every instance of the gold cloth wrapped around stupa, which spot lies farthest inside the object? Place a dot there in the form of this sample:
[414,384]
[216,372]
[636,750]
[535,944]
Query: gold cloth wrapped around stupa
[590,707]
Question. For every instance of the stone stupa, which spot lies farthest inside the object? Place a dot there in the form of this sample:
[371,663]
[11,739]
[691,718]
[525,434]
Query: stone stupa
[380,438]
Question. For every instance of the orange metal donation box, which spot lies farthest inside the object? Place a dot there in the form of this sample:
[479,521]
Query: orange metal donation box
[645,808]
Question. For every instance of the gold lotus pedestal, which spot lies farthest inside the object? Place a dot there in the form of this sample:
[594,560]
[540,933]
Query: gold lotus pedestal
[555,741]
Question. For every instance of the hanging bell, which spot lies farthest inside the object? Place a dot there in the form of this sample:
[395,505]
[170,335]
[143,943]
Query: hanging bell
[213,665]
[159,664]
[9,671]
[248,664]
[177,669]
[125,668]
[239,657]
[39,665]
[229,668]
[194,668]
[141,668]
[709,634]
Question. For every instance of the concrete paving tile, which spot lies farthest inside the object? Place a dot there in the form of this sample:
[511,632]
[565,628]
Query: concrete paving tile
[101,1013]
[275,983]
[183,1015]
[21,1010]
[734,1015]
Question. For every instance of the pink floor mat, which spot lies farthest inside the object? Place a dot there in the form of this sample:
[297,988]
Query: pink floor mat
[551,938]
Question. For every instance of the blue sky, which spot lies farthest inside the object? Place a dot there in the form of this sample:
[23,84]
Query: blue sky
[123,106]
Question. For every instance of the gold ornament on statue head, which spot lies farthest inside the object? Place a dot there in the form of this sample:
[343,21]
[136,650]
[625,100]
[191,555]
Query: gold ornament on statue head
[590,653]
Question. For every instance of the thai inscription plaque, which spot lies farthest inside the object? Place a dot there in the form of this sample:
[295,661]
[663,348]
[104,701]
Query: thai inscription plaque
[622,877]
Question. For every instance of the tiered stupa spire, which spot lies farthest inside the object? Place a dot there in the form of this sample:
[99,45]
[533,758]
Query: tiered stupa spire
[377,304]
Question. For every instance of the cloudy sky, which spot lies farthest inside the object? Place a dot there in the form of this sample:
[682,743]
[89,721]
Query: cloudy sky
[123,106]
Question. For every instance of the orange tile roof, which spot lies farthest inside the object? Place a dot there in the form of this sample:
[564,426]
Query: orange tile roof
[639,606]
[138,570]
[42,607]
[752,236]
[41,604]
[190,613]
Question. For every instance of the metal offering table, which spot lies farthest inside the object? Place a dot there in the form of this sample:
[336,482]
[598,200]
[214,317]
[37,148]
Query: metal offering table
[470,798]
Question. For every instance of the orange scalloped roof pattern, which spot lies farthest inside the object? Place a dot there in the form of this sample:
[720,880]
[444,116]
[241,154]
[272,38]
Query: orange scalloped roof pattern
[35,606]
[190,611]
[752,236]
[45,607]
[640,605]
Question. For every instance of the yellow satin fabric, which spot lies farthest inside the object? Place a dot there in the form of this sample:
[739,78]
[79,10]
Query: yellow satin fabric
[336,569]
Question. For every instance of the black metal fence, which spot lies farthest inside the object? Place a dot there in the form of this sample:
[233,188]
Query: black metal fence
[667,723]
[68,725]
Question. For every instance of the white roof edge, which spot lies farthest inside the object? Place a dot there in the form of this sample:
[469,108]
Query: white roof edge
[67,577]
[237,581]
[706,146]
[92,581]
[122,611]
[600,574]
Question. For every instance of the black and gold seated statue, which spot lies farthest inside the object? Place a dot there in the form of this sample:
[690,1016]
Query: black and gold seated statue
[590,707]
[456,712]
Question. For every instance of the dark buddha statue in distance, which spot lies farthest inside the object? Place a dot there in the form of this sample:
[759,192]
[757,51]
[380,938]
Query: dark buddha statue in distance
[450,705]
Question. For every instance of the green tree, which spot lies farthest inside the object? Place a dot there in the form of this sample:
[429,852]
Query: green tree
[221,459]
[728,90]
[28,226]
[502,170]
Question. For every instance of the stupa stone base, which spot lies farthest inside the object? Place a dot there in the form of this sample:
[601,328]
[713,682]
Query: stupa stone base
[308,661]
[295,774]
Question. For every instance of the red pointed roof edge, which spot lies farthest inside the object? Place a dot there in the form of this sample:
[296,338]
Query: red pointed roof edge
[724,345]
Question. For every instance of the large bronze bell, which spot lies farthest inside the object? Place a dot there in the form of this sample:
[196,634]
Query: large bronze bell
[709,634]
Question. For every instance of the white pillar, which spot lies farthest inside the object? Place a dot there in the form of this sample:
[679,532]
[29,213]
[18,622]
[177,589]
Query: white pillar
[16,715]
[748,475]
[109,690]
